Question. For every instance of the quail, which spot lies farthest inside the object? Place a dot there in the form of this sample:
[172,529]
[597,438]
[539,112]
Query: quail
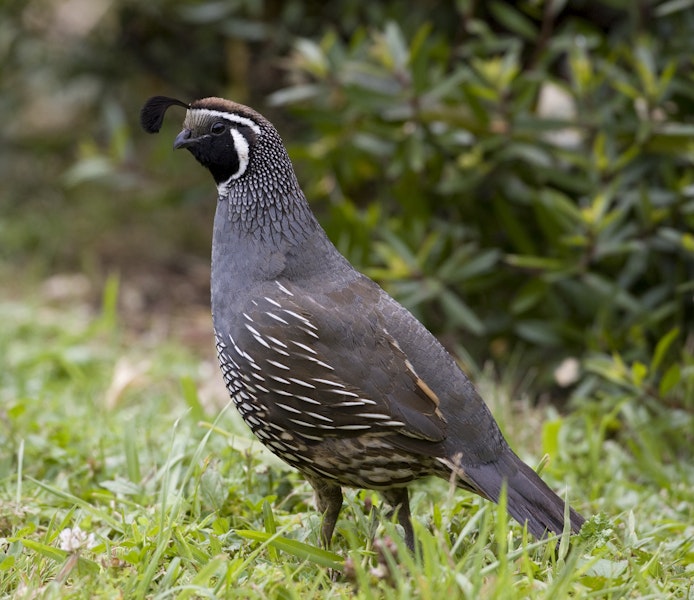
[329,372]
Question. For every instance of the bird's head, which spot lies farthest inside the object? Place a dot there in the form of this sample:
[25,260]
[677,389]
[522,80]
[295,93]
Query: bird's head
[221,135]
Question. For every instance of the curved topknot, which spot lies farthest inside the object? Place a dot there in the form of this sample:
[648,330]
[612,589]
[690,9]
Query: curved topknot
[152,113]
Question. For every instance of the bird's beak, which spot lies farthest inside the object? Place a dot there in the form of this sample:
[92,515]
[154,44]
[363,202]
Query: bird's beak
[183,139]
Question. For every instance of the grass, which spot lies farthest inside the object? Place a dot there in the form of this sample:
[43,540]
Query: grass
[120,478]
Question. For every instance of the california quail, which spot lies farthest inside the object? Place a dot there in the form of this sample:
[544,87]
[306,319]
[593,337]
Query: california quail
[329,372]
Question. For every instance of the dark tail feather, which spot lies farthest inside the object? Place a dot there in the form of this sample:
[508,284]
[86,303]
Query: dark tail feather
[529,499]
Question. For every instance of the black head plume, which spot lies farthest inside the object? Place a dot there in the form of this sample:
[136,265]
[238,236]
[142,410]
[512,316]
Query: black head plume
[152,113]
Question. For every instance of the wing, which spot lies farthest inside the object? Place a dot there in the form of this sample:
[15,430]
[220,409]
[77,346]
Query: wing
[325,372]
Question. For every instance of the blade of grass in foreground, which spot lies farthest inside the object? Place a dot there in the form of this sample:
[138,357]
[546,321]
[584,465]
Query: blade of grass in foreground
[59,555]
[303,551]
[103,515]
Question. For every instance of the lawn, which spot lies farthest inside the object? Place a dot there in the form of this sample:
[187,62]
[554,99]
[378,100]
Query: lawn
[519,174]
[125,474]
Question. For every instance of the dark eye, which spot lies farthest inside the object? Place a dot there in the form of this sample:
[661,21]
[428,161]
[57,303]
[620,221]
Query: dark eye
[218,128]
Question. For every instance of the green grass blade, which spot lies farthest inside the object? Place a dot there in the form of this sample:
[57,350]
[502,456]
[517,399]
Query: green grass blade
[303,551]
[83,504]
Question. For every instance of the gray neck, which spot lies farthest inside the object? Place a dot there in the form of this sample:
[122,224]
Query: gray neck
[265,230]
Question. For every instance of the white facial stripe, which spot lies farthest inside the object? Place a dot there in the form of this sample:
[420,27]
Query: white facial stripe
[242,151]
[242,148]
[229,117]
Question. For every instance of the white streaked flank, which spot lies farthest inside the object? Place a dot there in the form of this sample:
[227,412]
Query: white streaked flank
[328,382]
[304,347]
[319,417]
[300,317]
[367,415]
[261,341]
[252,329]
[344,393]
[277,318]
[279,365]
[303,383]
[274,340]
[307,331]
[284,289]
[307,399]
[303,424]
[348,404]
[271,301]
[320,363]
[282,392]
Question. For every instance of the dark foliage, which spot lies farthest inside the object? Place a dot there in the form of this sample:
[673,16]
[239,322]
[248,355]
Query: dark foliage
[519,174]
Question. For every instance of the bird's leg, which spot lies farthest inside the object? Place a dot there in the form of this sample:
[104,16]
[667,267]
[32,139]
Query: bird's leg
[329,503]
[399,499]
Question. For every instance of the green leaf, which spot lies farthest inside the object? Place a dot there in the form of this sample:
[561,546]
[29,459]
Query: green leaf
[662,347]
[672,6]
[214,490]
[44,550]
[687,242]
[122,487]
[132,459]
[529,296]
[295,94]
[540,263]
[670,379]
[207,575]
[102,515]
[483,262]
[270,527]
[639,372]
[550,437]
[109,302]
[397,48]
[560,203]
[539,332]
[7,563]
[312,56]
[514,20]
[460,313]
[190,394]
[301,550]
[89,169]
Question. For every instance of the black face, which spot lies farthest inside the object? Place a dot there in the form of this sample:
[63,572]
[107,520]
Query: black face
[218,133]
[215,149]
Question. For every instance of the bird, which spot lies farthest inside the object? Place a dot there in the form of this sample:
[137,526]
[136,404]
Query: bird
[330,373]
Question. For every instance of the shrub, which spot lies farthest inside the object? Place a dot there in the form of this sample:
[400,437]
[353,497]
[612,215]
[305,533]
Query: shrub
[530,187]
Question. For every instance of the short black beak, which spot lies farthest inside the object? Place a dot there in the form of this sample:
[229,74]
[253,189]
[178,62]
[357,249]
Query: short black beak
[183,139]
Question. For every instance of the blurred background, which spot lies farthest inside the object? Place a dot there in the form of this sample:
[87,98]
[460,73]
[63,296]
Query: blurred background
[518,174]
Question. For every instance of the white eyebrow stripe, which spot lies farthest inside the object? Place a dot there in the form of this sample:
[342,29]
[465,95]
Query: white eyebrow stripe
[234,118]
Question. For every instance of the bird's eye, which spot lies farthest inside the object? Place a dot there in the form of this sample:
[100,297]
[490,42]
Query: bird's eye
[217,128]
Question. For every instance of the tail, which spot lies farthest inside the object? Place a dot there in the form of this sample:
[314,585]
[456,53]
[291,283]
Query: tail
[529,499]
